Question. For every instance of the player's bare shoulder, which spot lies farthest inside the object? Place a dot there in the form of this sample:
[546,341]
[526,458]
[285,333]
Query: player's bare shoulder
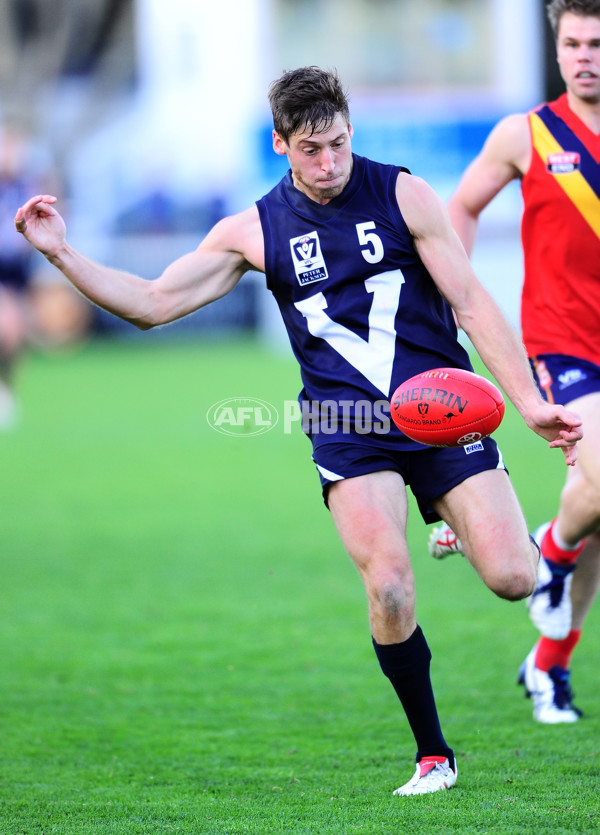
[420,205]
[239,234]
[510,143]
[412,188]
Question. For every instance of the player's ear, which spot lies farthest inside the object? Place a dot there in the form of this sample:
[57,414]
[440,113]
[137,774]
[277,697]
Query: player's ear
[350,130]
[279,145]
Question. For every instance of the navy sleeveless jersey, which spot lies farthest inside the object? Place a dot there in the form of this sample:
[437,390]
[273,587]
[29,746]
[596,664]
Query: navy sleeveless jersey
[361,311]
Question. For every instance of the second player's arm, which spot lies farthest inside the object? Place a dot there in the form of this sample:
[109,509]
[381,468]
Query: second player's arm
[504,157]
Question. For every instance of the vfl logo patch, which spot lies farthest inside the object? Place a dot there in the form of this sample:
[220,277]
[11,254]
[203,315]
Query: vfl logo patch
[423,408]
[309,263]
[477,446]
[564,163]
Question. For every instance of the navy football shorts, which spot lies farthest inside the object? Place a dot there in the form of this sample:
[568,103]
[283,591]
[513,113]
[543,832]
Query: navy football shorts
[562,378]
[430,472]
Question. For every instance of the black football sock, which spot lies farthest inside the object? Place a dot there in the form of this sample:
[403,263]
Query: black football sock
[407,667]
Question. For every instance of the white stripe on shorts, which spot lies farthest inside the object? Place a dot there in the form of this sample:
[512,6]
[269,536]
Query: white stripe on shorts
[329,475]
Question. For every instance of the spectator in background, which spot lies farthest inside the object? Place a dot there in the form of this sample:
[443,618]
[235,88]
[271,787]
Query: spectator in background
[16,265]
[33,305]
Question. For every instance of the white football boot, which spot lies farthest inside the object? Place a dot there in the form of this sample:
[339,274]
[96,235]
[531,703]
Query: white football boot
[550,604]
[443,541]
[550,692]
[433,774]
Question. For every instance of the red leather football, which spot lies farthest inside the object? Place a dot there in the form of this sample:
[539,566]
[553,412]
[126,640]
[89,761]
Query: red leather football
[447,407]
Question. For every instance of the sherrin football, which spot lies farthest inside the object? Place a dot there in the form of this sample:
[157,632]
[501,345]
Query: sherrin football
[447,407]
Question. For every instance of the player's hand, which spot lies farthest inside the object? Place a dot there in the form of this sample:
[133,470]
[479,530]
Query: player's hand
[560,427]
[41,224]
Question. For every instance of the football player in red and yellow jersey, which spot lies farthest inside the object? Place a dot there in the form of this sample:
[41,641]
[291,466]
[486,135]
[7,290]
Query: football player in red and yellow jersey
[555,152]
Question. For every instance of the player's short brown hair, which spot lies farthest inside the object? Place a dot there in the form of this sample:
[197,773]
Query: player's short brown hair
[308,98]
[584,8]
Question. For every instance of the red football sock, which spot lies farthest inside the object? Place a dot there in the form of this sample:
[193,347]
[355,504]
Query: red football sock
[554,552]
[551,653]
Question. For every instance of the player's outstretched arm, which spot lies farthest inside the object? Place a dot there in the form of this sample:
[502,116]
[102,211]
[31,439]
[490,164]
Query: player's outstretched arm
[190,282]
[493,337]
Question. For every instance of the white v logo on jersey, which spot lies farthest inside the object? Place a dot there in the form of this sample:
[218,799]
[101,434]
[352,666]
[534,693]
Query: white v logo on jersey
[374,358]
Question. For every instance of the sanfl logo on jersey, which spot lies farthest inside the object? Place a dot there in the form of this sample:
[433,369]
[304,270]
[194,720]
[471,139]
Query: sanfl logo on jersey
[308,258]
[570,377]
[563,163]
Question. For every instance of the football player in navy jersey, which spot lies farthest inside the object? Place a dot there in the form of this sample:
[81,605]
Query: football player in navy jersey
[365,267]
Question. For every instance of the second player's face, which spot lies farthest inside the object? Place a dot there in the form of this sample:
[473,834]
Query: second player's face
[578,53]
[321,163]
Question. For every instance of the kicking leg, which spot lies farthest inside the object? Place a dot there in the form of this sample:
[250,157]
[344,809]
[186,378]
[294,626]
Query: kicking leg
[370,514]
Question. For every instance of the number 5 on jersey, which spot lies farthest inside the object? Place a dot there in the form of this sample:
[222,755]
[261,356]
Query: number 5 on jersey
[371,246]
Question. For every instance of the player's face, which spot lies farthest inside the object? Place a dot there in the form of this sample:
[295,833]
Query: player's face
[321,163]
[578,53]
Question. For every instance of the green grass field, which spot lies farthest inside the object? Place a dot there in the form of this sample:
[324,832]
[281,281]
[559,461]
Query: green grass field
[185,645]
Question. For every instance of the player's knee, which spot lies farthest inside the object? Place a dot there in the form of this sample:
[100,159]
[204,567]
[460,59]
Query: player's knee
[392,599]
[515,584]
[392,595]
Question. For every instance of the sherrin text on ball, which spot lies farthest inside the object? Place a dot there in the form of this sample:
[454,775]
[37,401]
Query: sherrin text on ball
[447,407]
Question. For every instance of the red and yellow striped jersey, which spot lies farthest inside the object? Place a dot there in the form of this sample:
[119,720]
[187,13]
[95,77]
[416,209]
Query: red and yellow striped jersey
[560,309]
